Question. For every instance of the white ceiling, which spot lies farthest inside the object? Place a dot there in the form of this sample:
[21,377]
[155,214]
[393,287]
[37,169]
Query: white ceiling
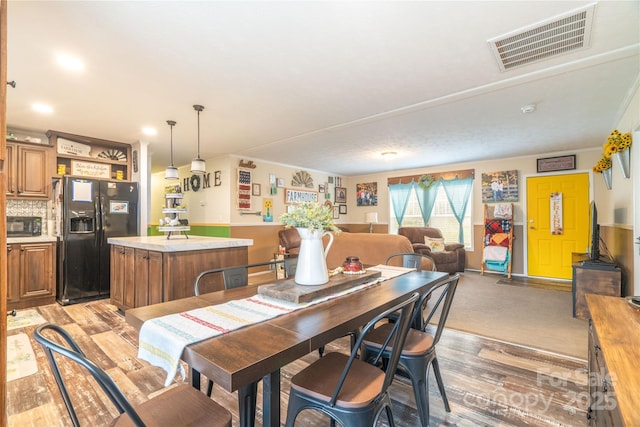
[320,85]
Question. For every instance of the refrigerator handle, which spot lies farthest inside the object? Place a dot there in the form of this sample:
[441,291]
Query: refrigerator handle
[98,213]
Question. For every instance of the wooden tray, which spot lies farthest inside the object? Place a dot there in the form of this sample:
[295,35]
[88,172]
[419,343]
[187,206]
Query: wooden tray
[287,290]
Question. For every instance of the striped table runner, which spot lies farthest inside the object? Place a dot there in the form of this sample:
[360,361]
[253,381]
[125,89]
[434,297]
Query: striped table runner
[163,339]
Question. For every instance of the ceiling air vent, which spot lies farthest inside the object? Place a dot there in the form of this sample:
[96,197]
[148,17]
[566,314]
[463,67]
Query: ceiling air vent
[558,35]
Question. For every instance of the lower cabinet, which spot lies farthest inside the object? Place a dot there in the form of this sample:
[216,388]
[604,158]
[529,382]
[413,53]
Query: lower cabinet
[602,408]
[30,274]
[141,277]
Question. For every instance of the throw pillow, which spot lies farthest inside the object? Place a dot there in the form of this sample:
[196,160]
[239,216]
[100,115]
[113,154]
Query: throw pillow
[436,244]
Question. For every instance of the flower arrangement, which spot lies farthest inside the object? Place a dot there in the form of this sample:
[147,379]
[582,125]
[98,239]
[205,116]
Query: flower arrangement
[617,142]
[313,216]
[603,164]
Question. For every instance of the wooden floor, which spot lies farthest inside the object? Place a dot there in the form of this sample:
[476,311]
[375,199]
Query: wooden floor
[489,383]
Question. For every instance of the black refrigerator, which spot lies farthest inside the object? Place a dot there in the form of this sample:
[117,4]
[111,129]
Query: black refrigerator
[92,211]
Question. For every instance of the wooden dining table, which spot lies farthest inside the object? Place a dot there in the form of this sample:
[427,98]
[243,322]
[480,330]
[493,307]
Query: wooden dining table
[238,360]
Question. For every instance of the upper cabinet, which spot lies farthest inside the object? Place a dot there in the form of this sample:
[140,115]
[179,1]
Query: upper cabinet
[84,156]
[28,170]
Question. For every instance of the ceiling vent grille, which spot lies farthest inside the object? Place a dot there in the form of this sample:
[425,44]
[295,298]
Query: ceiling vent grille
[561,34]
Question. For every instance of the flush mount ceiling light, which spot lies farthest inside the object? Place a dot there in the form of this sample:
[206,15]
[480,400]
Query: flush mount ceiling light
[529,108]
[388,155]
[171,172]
[197,164]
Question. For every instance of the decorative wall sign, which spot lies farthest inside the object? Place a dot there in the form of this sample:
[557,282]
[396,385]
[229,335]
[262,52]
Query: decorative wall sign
[255,189]
[267,210]
[73,148]
[302,179]
[93,170]
[555,208]
[292,195]
[244,189]
[367,194]
[343,209]
[561,163]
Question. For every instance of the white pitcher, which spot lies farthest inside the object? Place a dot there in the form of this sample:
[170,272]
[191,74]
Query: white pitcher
[312,265]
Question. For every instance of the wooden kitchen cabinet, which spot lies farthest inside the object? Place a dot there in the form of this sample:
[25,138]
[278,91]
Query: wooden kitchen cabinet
[29,170]
[30,274]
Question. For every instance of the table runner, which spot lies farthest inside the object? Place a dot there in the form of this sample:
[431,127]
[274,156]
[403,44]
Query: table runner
[163,339]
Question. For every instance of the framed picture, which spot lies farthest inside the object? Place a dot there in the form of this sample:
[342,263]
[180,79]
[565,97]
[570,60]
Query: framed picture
[498,187]
[255,189]
[280,182]
[343,209]
[336,212]
[367,194]
[341,195]
[321,188]
[561,163]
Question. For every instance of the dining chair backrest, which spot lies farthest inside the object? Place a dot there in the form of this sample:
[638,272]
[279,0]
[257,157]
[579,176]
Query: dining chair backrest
[395,339]
[445,292]
[72,351]
[413,260]
[238,275]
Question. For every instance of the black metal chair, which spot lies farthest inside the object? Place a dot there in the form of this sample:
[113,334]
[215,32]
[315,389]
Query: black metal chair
[412,260]
[349,390]
[180,405]
[419,350]
[238,276]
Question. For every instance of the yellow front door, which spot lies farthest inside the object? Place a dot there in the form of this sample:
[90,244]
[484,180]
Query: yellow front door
[549,243]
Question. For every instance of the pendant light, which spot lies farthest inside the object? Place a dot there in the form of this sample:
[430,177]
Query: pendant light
[197,164]
[171,172]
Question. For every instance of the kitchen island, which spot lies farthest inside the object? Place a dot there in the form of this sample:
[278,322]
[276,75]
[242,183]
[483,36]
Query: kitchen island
[151,269]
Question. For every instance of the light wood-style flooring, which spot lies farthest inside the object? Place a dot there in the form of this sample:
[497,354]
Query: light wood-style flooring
[489,383]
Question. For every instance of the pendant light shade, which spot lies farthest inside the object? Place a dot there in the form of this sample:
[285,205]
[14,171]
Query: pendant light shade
[197,165]
[171,172]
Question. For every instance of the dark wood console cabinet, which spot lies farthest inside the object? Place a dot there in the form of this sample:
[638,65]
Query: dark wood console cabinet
[600,279]
[614,362]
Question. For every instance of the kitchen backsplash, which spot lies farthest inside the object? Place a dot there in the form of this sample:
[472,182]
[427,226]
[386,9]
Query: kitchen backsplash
[29,208]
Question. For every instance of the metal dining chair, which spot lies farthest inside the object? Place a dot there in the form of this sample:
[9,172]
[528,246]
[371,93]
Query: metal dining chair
[412,260]
[419,351]
[180,405]
[349,390]
[238,276]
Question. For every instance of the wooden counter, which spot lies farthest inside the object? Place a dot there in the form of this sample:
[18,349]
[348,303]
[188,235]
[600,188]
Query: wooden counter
[614,361]
[151,269]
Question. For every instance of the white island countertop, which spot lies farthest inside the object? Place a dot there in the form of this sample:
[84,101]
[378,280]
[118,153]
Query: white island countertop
[33,239]
[178,243]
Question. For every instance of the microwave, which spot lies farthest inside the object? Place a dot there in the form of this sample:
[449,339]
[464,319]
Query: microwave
[24,226]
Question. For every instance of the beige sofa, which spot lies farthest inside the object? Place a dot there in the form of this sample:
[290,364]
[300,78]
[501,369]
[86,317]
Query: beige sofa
[371,248]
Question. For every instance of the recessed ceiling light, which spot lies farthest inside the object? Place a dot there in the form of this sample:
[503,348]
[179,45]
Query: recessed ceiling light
[149,131]
[70,62]
[42,108]
[388,155]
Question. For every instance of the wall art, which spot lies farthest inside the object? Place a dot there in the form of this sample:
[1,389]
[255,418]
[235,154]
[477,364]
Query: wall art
[367,194]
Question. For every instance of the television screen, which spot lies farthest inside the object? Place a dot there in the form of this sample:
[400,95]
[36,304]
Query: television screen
[594,233]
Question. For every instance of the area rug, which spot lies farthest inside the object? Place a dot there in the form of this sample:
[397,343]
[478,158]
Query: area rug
[529,316]
[24,318]
[21,361]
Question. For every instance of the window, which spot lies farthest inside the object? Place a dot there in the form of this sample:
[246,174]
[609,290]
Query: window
[442,218]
